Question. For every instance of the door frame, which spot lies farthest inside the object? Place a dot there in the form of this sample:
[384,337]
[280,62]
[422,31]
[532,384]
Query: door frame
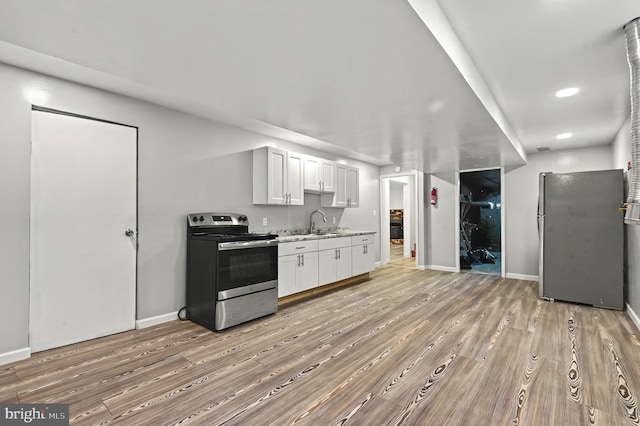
[416,217]
[137,189]
[503,239]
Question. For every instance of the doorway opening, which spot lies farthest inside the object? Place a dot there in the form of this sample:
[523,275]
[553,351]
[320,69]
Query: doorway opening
[480,224]
[399,224]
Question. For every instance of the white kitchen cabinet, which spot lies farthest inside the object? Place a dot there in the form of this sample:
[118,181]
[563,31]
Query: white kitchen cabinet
[347,189]
[362,254]
[278,177]
[334,260]
[319,175]
[297,267]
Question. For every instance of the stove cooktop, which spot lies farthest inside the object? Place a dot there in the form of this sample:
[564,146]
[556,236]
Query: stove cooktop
[231,237]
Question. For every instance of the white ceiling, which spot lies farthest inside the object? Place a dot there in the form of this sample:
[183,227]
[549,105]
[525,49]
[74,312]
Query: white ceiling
[435,86]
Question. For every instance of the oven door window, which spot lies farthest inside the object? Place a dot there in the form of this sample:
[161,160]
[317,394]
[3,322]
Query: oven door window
[237,268]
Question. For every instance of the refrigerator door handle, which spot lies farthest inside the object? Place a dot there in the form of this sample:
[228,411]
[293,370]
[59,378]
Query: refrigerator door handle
[541,194]
[541,254]
[541,234]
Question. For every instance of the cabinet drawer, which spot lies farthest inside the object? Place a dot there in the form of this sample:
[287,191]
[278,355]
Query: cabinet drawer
[334,243]
[363,239]
[295,247]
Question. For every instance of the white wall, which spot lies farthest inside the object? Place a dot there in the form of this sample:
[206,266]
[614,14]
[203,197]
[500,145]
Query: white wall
[621,151]
[185,164]
[521,201]
[396,197]
[441,223]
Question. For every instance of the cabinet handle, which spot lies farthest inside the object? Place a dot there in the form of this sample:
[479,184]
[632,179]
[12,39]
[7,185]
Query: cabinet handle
[289,197]
[298,261]
[302,255]
[364,249]
[339,255]
[335,254]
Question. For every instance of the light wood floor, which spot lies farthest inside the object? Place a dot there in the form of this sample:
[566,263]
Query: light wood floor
[397,258]
[406,347]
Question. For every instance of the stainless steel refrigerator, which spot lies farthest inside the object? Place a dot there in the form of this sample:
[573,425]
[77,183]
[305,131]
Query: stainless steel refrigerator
[581,238]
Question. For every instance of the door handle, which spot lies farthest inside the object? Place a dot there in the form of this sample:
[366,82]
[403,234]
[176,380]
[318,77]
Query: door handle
[129,232]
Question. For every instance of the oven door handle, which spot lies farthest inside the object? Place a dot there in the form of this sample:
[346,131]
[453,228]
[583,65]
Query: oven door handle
[237,245]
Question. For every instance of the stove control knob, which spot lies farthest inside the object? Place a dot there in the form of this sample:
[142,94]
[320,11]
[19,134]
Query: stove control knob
[201,218]
[195,218]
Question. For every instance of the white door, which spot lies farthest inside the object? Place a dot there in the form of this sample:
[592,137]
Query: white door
[353,193]
[83,201]
[308,271]
[343,270]
[341,186]
[287,269]
[277,175]
[295,175]
[327,264]
[328,174]
[312,174]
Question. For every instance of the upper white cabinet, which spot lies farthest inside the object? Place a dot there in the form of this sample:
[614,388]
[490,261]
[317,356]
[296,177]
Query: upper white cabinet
[278,177]
[319,175]
[347,193]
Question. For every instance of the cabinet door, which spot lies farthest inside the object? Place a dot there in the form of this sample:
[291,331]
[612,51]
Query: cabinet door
[308,271]
[287,271]
[369,262]
[312,167]
[327,263]
[352,187]
[347,194]
[295,178]
[277,176]
[343,265]
[328,176]
[341,186]
[362,259]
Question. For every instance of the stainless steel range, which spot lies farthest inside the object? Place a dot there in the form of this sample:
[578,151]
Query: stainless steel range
[232,275]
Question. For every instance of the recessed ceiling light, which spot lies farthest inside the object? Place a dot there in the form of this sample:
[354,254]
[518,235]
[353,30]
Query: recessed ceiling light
[564,135]
[569,91]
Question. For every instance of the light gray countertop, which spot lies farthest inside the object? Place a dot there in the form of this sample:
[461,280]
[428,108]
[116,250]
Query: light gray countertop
[305,237]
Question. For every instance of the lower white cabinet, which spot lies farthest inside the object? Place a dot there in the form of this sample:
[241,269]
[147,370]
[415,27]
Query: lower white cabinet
[297,267]
[334,260]
[362,254]
[303,265]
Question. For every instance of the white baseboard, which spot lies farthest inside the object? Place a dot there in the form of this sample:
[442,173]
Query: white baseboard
[378,264]
[149,322]
[442,268]
[13,356]
[522,277]
[421,267]
[633,316]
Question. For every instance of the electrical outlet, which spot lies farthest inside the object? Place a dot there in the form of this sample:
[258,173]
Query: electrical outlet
[264,221]
[334,220]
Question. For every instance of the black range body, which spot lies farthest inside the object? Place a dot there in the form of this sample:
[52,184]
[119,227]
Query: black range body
[232,275]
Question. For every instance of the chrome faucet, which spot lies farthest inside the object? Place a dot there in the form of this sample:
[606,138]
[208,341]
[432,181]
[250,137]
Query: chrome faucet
[312,225]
